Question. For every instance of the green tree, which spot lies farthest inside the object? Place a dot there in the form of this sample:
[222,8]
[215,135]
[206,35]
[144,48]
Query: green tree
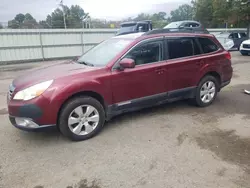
[29,22]
[23,21]
[1,26]
[57,19]
[142,16]
[204,11]
[28,16]
[13,24]
[20,18]
[44,25]
[74,17]
[159,19]
[184,12]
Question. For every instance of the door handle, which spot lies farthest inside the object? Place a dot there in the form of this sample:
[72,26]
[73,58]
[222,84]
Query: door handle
[160,70]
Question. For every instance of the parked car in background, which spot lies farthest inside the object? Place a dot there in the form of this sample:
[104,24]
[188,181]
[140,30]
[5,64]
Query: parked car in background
[237,36]
[186,24]
[122,74]
[245,47]
[135,27]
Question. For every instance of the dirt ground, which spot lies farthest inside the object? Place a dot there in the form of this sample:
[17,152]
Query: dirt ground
[172,146]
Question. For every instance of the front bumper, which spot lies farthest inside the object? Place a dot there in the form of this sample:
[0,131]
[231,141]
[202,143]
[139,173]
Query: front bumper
[27,124]
[244,50]
[35,115]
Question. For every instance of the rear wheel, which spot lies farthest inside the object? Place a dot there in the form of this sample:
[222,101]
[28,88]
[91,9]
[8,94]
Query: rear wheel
[81,118]
[206,91]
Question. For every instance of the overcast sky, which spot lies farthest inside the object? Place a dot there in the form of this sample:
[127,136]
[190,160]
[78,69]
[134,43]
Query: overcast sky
[104,9]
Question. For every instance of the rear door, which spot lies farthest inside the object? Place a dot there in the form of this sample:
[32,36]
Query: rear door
[183,64]
[215,60]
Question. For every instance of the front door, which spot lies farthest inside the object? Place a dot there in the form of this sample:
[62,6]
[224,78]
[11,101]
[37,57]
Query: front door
[142,84]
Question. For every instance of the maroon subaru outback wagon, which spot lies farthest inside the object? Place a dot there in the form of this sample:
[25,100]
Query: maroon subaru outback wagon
[122,74]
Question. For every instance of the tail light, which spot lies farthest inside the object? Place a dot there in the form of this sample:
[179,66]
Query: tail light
[228,55]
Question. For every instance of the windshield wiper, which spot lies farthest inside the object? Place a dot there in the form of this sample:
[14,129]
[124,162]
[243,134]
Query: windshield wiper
[85,63]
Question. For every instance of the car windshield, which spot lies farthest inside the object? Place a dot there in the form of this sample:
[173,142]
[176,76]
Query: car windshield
[173,25]
[127,28]
[104,52]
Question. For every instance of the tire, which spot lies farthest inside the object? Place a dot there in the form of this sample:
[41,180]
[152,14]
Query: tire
[198,98]
[71,118]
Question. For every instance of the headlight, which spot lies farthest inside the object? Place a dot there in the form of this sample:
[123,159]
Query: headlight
[33,91]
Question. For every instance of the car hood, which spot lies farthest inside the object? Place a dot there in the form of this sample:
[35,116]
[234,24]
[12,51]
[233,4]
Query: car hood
[50,72]
[246,42]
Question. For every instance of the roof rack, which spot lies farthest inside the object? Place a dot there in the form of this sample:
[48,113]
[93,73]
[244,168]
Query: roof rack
[177,30]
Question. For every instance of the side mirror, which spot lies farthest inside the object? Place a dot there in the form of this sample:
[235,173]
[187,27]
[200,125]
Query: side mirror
[127,63]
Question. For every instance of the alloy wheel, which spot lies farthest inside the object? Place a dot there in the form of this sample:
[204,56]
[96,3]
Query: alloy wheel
[207,91]
[83,120]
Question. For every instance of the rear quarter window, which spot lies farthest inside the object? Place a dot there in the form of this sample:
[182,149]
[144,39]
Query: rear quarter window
[207,45]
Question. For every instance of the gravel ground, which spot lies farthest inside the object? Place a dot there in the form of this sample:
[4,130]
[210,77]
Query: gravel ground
[171,146]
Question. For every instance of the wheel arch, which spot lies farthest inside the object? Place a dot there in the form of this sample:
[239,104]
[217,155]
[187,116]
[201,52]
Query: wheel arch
[92,94]
[214,74]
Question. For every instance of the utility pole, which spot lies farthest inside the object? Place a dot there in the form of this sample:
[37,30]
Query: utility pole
[64,20]
[248,17]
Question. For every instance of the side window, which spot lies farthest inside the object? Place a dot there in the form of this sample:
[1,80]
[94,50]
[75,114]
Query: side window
[243,35]
[146,53]
[143,26]
[191,25]
[207,45]
[195,25]
[235,36]
[183,47]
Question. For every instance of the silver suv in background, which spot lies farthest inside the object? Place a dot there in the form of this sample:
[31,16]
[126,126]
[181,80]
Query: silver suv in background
[186,24]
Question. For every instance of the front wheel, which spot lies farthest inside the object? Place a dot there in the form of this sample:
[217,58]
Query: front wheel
[81,118]
[206,91]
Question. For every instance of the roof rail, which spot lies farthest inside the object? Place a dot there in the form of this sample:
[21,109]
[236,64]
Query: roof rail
[177,30]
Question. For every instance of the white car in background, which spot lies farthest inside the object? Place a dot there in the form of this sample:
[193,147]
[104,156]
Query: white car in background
[245,47]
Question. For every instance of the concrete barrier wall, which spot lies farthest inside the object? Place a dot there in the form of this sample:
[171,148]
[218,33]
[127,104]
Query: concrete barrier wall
[33,45]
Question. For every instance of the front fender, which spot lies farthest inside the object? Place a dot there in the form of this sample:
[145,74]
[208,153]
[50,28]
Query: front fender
[58,94]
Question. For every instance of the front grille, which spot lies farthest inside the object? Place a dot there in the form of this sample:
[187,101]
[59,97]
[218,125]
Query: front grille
[246,45]
[11,90]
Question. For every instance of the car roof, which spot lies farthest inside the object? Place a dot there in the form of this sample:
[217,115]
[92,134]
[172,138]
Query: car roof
[134,22]
[141,36]
[183,21]
[129,36]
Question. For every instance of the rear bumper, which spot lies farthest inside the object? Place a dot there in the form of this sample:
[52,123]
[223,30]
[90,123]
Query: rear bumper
[224,84]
